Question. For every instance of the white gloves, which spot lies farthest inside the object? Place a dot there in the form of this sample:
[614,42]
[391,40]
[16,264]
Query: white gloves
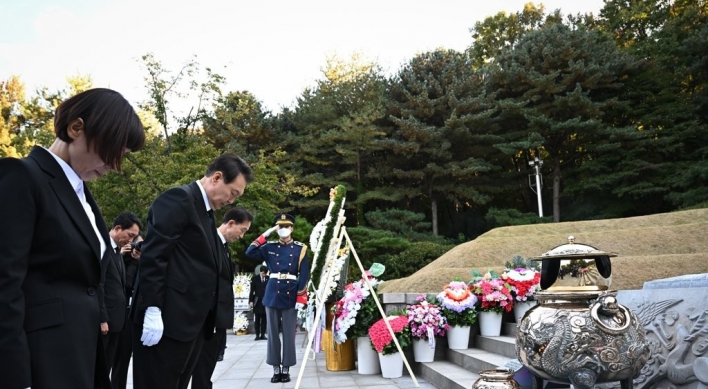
[152,327]
[270,231]
[299,306]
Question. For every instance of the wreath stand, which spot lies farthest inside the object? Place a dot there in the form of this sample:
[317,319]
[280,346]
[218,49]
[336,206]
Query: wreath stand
[322,296]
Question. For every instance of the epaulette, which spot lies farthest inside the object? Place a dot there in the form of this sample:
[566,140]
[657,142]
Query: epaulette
[298,243]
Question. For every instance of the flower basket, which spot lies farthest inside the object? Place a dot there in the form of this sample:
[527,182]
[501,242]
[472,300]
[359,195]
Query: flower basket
[381,339]
[493,294]
[427,322]
[240,324]
[356,311]
[458,304]
[524,283]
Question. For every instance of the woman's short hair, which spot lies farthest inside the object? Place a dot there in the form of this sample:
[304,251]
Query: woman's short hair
[110,123]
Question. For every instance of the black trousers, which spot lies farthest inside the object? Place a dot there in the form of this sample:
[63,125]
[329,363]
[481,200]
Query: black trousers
[260,324]
[165,365]
[121,362]
[201,376]
[110,346]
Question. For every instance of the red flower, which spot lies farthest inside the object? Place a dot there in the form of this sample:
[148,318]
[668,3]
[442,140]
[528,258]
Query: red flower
[379,334]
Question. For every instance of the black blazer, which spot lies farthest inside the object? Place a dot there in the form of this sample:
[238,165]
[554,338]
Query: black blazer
[112,294]
[50,271]
[225,308]
[257,292]
[179,263]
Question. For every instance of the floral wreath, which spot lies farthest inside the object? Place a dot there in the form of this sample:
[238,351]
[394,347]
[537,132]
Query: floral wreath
[240,322]
[242,285]
[321,240]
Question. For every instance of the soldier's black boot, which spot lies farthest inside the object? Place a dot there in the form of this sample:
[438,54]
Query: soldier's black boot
[285,375]
[276,374]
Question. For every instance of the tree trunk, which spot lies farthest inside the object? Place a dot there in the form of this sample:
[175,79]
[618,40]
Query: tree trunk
[359,209]
[556,191]
[434,216]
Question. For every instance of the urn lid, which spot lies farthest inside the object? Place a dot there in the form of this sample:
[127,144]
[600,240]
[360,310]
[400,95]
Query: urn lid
[572,250]
[551,260]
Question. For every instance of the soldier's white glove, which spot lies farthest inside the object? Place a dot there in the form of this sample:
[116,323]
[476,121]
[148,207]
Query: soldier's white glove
[152,327]
[261,240]
[270,231]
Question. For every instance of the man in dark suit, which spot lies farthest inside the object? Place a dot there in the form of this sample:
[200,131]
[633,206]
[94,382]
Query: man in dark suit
[236,223]
[124,352]
[126,227]
[255,300]
[177,288]
[54,241]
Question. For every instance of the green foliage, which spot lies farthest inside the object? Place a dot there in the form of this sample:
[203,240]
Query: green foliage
[372,246]
[397,220]
[615,105]
[430,160]
[477,275]
[512,217]
[414,258]
[367,315]
[460,319]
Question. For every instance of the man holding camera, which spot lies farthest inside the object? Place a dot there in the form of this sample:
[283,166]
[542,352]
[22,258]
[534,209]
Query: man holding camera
[112,299]
[121,362]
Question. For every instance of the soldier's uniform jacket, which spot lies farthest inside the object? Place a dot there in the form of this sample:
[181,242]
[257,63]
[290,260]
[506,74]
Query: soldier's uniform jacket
[290,259]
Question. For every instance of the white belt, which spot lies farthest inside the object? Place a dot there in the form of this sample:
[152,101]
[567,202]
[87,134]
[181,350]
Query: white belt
[283,276]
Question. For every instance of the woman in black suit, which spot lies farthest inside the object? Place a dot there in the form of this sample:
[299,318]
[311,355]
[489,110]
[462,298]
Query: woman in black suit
[53,242]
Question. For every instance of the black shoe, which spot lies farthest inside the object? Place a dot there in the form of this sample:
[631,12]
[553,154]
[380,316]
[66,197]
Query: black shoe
[220,358]
[257,338]
[276,378]
[285,377]
[264,338]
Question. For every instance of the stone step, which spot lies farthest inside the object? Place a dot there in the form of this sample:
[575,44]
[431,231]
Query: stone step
[476,360]
[447,375]
[502,345]
[509,329]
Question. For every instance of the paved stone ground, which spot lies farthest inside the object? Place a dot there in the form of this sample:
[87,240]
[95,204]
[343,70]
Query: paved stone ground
[244,367]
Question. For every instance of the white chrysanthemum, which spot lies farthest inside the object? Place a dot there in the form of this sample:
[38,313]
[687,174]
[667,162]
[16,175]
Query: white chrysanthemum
[240,322]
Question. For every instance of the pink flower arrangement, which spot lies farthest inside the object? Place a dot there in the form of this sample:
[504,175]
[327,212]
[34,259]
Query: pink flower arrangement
[381,338]
[493,294]
[426,320]
[524,282]
[355,311]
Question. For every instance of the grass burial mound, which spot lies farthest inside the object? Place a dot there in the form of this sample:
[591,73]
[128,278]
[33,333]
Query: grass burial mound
[648,247]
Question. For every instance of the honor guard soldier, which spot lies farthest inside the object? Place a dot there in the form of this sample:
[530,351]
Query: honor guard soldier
[285,293]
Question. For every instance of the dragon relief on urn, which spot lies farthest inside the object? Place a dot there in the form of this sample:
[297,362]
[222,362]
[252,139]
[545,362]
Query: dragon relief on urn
[580,334]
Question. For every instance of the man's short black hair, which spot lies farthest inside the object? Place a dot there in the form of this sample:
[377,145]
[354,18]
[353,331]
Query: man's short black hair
[126,220]
[230,166]
[238,215]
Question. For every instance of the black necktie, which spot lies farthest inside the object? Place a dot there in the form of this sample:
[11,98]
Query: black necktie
[211,217]
[213,226]
[117,250]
